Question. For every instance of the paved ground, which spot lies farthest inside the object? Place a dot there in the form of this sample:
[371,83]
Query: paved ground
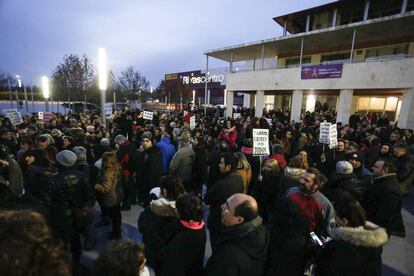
[398,255]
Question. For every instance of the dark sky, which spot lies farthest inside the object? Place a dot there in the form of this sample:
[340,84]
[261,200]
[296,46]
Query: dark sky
[154,36]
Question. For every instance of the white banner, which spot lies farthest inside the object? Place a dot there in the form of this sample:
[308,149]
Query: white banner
[333,136]
[261,142]
[192,122]
[14,116]
[148,115]
[324,130]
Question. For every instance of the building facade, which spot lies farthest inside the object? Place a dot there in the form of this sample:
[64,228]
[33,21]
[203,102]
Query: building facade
[348,56]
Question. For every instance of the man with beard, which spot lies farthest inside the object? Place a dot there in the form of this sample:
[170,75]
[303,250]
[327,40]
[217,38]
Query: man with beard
[317,209]
[229,184]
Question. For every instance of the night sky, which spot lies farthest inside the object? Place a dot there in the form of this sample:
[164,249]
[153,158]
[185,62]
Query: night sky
[154,36]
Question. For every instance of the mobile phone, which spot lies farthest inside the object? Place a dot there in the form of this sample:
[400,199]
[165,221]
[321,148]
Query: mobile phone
[316,239]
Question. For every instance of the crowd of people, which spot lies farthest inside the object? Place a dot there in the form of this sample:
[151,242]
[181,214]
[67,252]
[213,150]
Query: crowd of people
[303,209]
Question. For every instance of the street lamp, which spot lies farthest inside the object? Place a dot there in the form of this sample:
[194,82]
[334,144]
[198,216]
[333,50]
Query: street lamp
[103,77]
[194,98]
[45,86]
[19,84]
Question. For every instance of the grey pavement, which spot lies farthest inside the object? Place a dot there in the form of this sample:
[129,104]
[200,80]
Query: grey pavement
[397,257]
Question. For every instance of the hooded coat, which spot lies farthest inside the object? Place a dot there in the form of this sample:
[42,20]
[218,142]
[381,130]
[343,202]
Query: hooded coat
[241,250]
[353,251]
[168,151]
[157,224]
[289,178]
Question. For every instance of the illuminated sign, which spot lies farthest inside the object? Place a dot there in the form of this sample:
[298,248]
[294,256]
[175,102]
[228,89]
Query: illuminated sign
[202,79]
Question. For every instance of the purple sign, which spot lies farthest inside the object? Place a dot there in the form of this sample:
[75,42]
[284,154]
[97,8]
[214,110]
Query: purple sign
[321,71]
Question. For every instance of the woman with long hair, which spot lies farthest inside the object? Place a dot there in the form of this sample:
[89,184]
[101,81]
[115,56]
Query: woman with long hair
[244,170]
[109,192]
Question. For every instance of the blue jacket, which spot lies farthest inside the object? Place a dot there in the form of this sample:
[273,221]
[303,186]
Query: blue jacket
[168,151]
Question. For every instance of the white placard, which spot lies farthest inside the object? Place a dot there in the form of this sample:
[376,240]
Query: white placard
[148,115]
[14,116]
[324,131]
[192,122]
[236,115]
[40,115]
[108,109]
[333,136]
[261,142]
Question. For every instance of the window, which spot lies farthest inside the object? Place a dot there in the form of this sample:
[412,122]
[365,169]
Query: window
[387,51]
[294,62]
[332,58]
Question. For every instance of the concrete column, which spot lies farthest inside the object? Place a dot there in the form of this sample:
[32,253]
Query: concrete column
[296,108]
[366,10]
[406,118]
[246,100]
[252,100]
[229,103]
[344,106]
[259,103]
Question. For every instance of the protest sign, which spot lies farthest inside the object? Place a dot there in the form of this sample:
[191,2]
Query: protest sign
[14,116]
[324,130]
[148,115]
[333,136]
[46,117]
[261,142]
[192,122]
[236,115]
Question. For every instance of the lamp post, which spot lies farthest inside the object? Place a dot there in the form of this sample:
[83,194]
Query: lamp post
[194,98]
[19,84]
[45,86]
[103,77]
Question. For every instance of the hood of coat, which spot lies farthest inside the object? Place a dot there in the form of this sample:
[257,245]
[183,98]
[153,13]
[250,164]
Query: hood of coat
[293,172]
[371,235]
[163,207]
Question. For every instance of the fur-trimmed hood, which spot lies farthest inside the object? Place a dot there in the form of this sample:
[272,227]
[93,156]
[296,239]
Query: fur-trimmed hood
[370,235]
[163,207]
[295,173]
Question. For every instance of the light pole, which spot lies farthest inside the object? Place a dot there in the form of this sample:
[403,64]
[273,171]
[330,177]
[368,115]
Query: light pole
[103,77]
[45,86]
[19,82]
[194,98]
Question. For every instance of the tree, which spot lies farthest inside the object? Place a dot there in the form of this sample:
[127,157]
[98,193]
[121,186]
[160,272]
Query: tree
[5,78]
[160,92]
[133,85]
[73,78]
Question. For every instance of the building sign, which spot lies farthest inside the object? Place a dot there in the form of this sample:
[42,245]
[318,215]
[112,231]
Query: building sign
[202,79]
[170,77]
[261,142]
[321,71]
[14,116]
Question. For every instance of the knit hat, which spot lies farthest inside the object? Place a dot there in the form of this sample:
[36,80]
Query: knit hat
[119,138]
[356,156]
[344,167]
[66,158]
[33,128]
[146,135]
[48,137]
[105,142]
[56,133]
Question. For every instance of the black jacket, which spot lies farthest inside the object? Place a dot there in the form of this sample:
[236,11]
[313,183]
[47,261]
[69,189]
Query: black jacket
[157,224]
[35,180]
[184,254]
[241,250]
[405,173]
[354,251]
[66,191]
[230,184]
[383,203]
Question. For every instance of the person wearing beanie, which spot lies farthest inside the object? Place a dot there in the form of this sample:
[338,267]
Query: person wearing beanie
[150,171]
[364,176]
[43,142]
[64,199]
[344,179]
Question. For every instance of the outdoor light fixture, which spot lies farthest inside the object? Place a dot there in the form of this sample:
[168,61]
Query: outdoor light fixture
[225,98]
[103,75]
[194,98]
[45,85]
[19,81]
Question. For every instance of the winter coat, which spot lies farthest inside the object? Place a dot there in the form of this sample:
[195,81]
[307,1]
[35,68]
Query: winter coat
[157,224]
[184,254]
[14,177]
[405,173]
[265,192]
[289,178]
[230,137]
[200,168]
[346,182]
[110,193]
[383,203]
[231,183]
[241,250]
[36,180]
[151,170]
[353,251]
[182,164]
[65,192]
[168,151]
